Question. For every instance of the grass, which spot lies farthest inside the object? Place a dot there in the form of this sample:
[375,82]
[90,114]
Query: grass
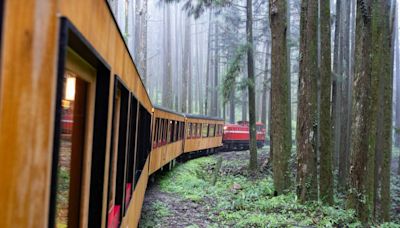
[241,202]
[159,210]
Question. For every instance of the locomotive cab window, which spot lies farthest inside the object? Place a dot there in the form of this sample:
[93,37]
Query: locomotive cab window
[77,111]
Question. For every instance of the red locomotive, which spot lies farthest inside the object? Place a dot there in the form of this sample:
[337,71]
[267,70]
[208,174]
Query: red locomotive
[237,136]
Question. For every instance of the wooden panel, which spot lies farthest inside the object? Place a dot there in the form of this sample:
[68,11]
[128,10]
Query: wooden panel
[27,102]
[162,155]
[202,143]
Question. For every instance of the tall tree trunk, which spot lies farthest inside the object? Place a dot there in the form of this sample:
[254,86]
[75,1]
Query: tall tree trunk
[251,87]
[361,112]
[387,80]
[307,111]
[167,96]
[188,54]
[265,86]
[143,42]
[232,106]
[215,107]
[207,90]
[344,85]
[326,177]
[137,29]
[375,139]
[289,72]
[186,67]
[397,99]
[244,105]
[280,104]
[335,85]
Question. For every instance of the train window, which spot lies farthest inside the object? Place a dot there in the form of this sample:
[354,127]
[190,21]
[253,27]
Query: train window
[165,131]
[171,131]
[176,132]
[189,131]
[162,131]
[159,134]
[155,133]
[198,130]
[168,131]
[80,133]
[180,130]
[204,132]
[77,111]
[144,142]
[212,130]
[118,155]
[132,139]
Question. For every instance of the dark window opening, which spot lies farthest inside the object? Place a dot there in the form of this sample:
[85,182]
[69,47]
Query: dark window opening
[143,141]
[118,155]
[131,150]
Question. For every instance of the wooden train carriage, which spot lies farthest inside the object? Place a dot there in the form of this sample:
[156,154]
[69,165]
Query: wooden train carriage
[59,58]
[202,132]
[168,132]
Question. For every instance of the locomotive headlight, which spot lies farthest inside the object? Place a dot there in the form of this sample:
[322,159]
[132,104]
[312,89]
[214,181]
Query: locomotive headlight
[225,127]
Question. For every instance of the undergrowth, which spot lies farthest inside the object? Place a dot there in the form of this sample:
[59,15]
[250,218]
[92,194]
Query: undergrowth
[159,210]
[239,201]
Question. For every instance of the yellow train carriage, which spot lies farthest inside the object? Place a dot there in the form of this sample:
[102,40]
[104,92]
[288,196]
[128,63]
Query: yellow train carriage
[69,60]
[202,132]
[168,137]
[89,126]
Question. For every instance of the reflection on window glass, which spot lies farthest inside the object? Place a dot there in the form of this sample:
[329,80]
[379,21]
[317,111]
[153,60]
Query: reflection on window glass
[71,150]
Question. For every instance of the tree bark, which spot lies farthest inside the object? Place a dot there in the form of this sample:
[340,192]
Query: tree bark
[232,107]
[335,85]
[137,29]
[215,107]
[185,68]
[280,105]
[344,78]
[244,105]
[265,86]
[307,110]
[143,42]
[251,85]
[207,90]
[326,177]
[387,80]
[167,96]
[361,112]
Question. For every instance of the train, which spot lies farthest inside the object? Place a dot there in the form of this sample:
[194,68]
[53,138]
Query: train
[79,135]
[237,136]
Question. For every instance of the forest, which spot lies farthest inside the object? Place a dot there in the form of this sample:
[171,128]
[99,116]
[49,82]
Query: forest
[322,75]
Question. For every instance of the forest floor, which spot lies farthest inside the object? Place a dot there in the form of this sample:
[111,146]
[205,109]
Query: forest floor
[186,197]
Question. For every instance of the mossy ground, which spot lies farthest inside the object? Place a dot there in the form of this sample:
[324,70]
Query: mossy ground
[236,200]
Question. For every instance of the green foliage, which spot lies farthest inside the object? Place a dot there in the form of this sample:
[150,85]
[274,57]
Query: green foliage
[197,8]
[229,79]
[252,202]
[157,212]
[63,185]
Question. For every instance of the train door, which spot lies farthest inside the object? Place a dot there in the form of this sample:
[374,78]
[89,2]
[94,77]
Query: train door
[77,115]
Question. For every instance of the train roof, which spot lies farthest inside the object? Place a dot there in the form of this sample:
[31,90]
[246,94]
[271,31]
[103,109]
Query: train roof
[168,110]
[188,115]
[196,116]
